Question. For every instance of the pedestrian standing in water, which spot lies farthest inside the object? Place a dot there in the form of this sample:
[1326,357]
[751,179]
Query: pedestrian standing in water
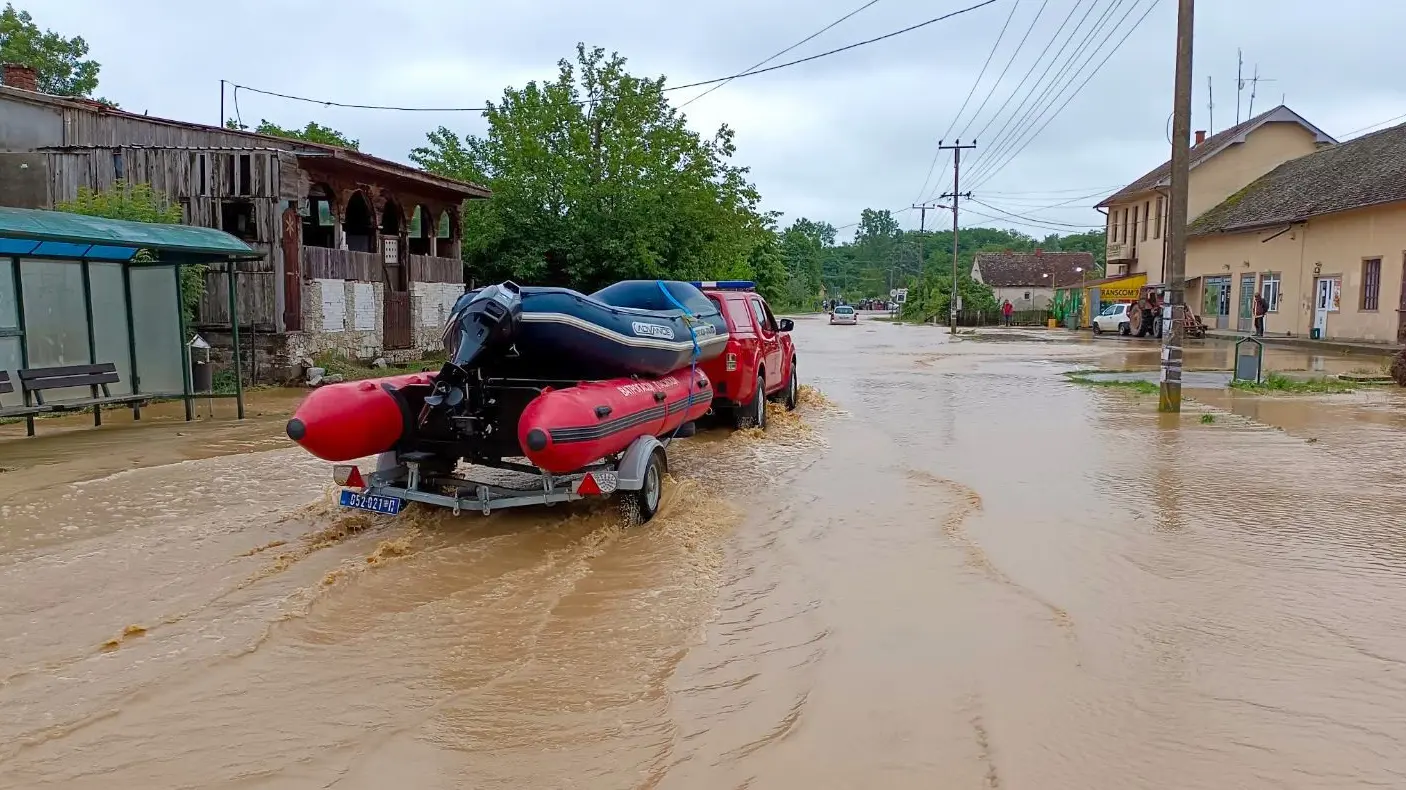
[1261,307]
[1006,310]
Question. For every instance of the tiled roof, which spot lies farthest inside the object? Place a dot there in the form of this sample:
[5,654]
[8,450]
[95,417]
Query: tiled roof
[1213,145]
[1027,269]
[1366,171]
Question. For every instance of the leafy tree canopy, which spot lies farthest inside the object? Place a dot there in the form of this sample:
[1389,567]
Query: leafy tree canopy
[312,133]
[140,203]
[59,62]
[596,178]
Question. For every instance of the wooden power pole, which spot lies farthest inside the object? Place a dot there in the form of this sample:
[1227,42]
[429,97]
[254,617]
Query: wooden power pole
[956,194]
[1169,394]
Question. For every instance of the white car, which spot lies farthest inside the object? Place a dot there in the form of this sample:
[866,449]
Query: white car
[844,314]
[1114,318]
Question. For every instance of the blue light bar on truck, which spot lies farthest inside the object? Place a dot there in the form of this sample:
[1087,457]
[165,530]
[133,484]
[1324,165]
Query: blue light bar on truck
[726,285]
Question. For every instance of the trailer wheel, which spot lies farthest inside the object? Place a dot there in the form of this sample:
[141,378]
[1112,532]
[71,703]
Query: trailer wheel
[638,507]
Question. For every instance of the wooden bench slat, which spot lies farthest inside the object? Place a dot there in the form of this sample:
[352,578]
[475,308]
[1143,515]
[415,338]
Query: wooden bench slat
[60,382]
[67,370]
[24,411]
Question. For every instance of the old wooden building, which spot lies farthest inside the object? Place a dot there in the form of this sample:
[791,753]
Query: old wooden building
[362,254]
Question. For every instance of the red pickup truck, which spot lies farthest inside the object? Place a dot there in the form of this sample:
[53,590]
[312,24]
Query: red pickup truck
[759,362]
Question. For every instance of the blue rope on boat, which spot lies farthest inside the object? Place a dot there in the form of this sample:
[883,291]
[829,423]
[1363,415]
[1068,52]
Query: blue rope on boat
[689,318]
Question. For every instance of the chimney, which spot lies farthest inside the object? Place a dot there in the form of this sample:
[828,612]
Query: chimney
[1200,136]
[13,75]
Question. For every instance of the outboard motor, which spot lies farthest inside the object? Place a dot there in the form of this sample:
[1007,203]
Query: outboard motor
[486,323]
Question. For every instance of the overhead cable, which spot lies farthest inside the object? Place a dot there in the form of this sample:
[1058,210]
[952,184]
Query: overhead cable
[805,40]
[1059,107]
[699,84]
[937,152]
[1062,79]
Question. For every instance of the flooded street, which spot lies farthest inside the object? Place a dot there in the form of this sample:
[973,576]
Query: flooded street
[962,571]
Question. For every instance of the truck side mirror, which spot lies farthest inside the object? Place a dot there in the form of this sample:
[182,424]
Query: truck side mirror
[787,325]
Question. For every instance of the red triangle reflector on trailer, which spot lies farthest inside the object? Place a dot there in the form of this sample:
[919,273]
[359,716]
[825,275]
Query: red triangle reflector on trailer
[348,475]
[588,485]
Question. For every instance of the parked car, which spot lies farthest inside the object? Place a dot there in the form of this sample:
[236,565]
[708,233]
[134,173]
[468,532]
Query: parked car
[1114,318]
[759,362]
[844,314]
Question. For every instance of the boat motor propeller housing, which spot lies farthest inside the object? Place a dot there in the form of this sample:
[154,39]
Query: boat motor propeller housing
[485,323]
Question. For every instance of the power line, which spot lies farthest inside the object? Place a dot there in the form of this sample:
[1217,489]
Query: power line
[1067,99]
[947,134]
[1032,219]
[699,84]
[1026,105]
[1031,70]
[783,52]
[1020,119]
[1372,126]
[1031,223]
[1002,76]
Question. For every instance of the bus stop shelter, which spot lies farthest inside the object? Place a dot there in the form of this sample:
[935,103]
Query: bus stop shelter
[77,290]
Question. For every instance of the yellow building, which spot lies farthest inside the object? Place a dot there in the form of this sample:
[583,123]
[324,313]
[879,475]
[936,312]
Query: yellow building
[1322,237]
[1221,165]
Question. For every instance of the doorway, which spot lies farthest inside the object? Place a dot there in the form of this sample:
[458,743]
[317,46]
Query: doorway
[1217,301]
[1325,291]
[1246,317]
[1401,308]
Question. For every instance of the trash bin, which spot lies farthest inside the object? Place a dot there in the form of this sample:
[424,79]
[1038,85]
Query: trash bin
[202,376]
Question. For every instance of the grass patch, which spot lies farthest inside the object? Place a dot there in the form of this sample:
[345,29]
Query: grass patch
[1208,419]
[355,370]
[1136,385]
[1279,384]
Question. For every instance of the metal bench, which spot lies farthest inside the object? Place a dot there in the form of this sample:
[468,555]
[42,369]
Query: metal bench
[35,381]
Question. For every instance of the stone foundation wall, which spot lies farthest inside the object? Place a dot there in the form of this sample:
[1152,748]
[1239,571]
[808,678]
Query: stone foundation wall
[340,316]
[430,304]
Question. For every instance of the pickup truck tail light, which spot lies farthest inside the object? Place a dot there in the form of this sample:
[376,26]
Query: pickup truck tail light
[731,362]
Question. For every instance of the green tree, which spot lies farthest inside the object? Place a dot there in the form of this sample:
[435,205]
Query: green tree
[597,178]
[59,62]
[140,203]
[312,133]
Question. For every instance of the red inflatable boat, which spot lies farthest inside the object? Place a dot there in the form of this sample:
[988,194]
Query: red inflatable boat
[563,430]
[559,429]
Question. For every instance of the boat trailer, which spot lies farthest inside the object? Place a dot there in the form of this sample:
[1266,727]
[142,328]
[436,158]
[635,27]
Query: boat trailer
[636,477]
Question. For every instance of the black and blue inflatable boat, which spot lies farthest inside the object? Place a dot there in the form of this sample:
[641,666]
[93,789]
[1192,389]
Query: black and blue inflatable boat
[631,328]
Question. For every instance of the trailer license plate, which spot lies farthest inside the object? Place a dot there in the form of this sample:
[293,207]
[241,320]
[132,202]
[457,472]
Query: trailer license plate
[385,505]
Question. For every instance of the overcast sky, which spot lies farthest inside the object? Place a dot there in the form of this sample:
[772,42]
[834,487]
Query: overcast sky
[824,139]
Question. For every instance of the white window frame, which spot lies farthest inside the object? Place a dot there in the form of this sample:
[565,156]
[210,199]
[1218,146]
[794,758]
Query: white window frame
[1278,292]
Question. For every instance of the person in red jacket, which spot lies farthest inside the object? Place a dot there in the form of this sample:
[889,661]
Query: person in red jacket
[1006,310]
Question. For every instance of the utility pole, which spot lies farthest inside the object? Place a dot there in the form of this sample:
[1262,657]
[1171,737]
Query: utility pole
[222,103]
[1169,395]
[922,232]
[956,194]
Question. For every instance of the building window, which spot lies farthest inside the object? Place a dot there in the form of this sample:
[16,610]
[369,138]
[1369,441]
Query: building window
[1126,215]
[1136,209]
[119,166]
[1371,283]
[1269,289]
[1146,218]
[1157,229]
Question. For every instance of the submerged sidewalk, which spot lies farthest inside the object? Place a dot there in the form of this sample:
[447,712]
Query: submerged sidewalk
[1338,346]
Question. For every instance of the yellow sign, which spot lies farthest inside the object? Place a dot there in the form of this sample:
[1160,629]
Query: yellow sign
[1124,290]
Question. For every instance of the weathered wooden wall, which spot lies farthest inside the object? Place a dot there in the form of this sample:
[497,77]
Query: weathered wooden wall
[323,263]
[256,300]
[431,269]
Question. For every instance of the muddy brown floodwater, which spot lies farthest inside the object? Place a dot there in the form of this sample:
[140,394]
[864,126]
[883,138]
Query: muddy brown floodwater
[965,573]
